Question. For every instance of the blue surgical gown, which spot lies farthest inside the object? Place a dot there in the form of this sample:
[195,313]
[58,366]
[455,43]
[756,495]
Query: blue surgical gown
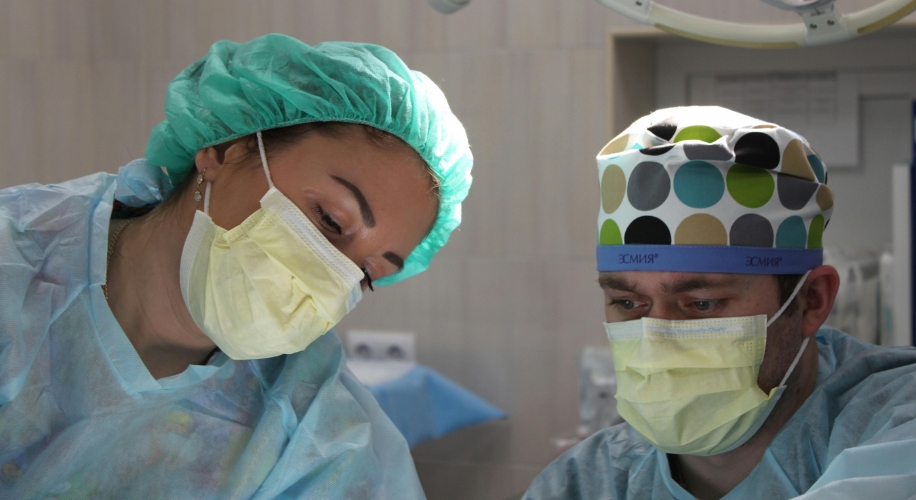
[855,437]
[81,417]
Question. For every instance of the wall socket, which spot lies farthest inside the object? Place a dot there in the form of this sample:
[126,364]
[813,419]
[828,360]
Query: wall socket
[377,345]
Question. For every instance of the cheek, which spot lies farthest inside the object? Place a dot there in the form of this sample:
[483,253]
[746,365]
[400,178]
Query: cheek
[236,197]
[608,312]
[783,342]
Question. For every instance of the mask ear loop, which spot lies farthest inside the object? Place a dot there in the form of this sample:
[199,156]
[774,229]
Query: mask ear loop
[270,181]
[791,298]
[795,361]
[207,198]
[804,342]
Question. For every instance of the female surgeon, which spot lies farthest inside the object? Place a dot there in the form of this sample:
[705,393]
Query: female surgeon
[162,331]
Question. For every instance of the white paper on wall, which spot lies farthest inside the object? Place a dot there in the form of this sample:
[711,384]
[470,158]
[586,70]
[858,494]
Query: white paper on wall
[821,106]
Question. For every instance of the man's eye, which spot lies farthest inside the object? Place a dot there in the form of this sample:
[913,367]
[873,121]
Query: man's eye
[703,305]
[623,303]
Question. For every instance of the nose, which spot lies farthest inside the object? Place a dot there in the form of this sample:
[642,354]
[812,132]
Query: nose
[664,310]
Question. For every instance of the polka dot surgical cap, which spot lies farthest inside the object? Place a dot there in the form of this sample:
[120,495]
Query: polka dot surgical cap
[706,189]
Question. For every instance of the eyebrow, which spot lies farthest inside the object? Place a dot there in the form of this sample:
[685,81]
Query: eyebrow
[690,285]
[682,286]
[364,208]
[394,259]
[369,218]
[616,284]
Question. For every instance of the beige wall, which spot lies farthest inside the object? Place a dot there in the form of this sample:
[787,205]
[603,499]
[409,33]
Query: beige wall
[511,301]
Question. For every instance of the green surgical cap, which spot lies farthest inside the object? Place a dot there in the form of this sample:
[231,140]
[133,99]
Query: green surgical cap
[276,81]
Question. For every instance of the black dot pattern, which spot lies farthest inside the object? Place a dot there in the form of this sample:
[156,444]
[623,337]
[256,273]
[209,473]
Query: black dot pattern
[647,230]
[657,150]
[664,130]
[757,149]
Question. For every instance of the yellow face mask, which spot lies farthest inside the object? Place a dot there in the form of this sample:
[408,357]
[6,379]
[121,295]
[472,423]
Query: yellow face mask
[690,387]
[270,286]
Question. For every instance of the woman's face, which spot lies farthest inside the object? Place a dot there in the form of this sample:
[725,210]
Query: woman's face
[374,203]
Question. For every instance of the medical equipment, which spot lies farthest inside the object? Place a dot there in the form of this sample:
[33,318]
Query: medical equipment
[597,386]
[855,310]
[422,403]
[597,406]
[822,23]
[885,301]
[902,281]
[448,6]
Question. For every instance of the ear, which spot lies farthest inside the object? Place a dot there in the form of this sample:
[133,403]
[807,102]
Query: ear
[817,296]
[209,161]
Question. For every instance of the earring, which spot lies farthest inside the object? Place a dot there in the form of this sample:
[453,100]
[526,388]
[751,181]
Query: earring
[200,179]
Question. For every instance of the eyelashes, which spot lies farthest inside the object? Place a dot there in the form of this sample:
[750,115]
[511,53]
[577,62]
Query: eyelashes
[327,221]
[704,305]
[693,308]
[368,279]
[331,225]
[624,304]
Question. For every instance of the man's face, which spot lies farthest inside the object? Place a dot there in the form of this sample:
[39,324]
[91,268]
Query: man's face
[632,295]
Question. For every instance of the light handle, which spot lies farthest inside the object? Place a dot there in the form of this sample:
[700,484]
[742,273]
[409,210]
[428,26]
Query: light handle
[822,23]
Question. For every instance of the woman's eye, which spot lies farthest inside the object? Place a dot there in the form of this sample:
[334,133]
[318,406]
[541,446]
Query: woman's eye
[327,221]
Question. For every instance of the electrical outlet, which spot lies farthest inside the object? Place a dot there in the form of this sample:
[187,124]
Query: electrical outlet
[381,345]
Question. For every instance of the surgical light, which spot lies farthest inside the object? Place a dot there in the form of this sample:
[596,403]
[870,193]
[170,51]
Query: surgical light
[448,6]
[822,22]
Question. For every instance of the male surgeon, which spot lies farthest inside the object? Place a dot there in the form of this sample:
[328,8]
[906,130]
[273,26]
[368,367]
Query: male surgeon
[709,255]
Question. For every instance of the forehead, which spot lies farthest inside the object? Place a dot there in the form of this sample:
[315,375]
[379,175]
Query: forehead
[392,165]
[672,282]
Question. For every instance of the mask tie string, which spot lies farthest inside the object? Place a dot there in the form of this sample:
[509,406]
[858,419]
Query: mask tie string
[791,298]
[270,181]
[804,342]
[795,361]
[207,198]
[261,150]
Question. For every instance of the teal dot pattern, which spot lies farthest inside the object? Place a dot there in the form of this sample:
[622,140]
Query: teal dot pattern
[819,171]
[792,233]
[754,177]
[699,184]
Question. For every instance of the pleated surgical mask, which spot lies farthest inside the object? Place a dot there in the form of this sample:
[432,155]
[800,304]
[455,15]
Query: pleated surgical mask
[690,386]
[271,285]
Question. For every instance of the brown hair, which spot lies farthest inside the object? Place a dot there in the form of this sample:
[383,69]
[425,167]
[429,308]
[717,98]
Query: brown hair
[277,140]
[786,284]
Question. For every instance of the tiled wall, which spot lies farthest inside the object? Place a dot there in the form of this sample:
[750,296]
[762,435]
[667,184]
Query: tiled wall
[510,302]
